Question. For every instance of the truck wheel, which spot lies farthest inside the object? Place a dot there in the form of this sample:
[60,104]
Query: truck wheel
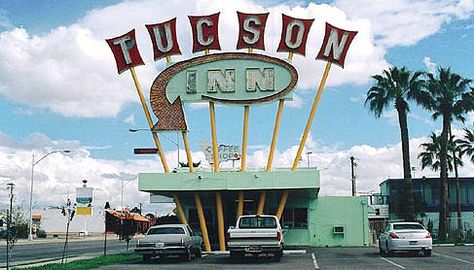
[146,258]
[237,255]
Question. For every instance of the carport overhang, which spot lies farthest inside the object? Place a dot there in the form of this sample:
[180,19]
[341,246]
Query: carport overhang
[165,184]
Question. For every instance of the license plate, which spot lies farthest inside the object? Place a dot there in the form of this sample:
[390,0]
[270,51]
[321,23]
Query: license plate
[413,242]
[253,249]
[159,245]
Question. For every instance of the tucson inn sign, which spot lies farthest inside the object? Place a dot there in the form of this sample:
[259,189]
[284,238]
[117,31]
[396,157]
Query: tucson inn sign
[213,200]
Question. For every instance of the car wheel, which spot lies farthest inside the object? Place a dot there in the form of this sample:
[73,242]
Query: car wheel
[146,258]
[381,250]
[278,255]
[198,252]
[427,252]
[389,252]
[187,256]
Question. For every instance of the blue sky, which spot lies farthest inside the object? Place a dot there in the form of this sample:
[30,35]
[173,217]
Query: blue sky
[59,86]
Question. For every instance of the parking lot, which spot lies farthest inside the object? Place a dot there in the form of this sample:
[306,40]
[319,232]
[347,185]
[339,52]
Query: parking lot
[458,257]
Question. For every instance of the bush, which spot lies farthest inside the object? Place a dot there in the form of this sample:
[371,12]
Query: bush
[41,234]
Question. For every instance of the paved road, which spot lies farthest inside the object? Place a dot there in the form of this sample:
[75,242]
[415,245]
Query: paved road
[52,249]
[322,258]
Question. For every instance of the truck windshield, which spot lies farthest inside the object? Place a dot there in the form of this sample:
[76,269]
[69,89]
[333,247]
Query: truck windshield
[257,222]
[166,230]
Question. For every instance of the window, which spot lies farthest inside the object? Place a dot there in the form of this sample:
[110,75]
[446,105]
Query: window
[166,230]
[407,227]
[257,222]
[295,218]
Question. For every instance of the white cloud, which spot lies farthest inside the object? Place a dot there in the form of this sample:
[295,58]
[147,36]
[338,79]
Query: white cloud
[57,175]
[71,71]
[130,119]
[430,66]
[405,22]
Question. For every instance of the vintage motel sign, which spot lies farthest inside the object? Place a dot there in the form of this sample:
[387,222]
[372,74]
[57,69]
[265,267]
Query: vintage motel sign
[252,30]
[205,32]
[163,38]
[226,152]
[228,78]
[125,51]
[294,34]
[335,45]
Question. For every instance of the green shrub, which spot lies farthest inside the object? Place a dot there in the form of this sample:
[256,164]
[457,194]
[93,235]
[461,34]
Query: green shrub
[41,234]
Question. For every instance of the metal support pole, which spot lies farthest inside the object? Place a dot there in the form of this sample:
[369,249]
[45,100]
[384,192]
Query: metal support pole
[202,222]
[30,221]
[220,221]
[353,178]
[181,214]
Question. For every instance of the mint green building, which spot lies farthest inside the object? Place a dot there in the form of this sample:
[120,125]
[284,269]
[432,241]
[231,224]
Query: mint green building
[308,219]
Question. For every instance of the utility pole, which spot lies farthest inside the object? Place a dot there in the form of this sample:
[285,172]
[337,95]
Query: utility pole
[353,178]
[9,224]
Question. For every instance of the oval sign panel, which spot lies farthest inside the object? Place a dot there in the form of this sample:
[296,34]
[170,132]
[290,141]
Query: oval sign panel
[229,78]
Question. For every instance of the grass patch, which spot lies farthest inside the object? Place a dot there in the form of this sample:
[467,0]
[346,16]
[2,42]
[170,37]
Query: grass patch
[88,263]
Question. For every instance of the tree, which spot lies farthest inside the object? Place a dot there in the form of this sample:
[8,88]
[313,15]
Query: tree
[448,96]
[397,86]
[431,158]
[467,144]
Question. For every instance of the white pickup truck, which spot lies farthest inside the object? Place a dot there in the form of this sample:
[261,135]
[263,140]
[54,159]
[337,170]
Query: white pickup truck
[255,234]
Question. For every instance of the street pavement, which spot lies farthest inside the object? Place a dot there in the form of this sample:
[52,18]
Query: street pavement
[458,257]
[42,250]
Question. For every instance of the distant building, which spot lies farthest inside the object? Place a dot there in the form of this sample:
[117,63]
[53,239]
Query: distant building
[426,195]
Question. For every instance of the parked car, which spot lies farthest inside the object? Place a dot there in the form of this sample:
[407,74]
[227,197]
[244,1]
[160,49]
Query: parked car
[405,236]
[170,239]
[254,234]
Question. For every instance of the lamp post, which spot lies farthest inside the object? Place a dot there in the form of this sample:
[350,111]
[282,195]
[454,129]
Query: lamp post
[307,154]
[166,137]
[33,163]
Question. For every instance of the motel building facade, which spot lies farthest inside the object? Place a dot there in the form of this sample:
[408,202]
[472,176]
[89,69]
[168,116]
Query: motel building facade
[210,201]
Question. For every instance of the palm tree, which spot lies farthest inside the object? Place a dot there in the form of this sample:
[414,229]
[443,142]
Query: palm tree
[447,96]
[467,144]
[395,87]
[431,158]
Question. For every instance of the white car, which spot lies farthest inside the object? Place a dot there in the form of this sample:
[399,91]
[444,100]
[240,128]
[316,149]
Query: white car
[405,236]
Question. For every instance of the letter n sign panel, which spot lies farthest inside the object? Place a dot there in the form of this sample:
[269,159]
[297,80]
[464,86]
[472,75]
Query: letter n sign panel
[335,45]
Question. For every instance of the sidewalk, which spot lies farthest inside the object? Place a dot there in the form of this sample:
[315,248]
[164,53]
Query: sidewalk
[59,239]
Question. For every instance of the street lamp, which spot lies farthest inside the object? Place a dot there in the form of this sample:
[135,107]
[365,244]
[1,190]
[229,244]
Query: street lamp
[33,163]
[133,130]
[307,154]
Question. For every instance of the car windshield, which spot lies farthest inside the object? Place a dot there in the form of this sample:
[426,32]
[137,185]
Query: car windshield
[166,230]
[407,227]
[257,222]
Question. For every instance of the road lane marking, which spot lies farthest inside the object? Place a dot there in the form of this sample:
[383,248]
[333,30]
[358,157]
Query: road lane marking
[315,262]
[393,263]
[452,257]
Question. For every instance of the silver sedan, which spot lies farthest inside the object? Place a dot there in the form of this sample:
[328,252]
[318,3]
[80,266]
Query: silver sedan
[405,236]
[170,239]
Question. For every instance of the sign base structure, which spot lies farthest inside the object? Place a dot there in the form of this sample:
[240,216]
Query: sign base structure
[308,218]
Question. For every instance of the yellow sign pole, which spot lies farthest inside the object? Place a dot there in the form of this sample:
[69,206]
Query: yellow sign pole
[311,116]
[215,150]
[243,165]
[220,221]
[284,197]
[202,221]
[179,208]
[281,103]
[150,122]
